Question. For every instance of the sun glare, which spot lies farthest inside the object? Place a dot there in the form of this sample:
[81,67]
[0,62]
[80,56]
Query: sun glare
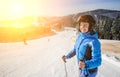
[17,10]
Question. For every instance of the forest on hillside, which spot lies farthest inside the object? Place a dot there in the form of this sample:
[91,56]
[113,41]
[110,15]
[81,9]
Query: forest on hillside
[108,28]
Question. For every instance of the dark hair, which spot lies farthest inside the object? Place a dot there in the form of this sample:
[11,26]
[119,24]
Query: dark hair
[89,19]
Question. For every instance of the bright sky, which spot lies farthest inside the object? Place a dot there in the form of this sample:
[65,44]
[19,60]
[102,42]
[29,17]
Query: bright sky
[18,8]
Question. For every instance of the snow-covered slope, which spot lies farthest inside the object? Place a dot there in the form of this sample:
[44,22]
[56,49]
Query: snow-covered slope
[42,58]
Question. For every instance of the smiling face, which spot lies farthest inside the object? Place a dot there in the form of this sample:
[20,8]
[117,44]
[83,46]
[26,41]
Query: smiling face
[84,27]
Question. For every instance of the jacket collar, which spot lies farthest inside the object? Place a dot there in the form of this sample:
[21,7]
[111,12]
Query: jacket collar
[84,35]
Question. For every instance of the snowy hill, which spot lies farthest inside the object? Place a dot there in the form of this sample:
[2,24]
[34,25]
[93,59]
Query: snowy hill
[42,58]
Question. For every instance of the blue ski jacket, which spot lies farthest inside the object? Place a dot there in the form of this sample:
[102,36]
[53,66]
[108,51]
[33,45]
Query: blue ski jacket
[83,40]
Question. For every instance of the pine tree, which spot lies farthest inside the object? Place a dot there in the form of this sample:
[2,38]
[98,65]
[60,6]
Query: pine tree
[107,28]
[115,29]
[101,27]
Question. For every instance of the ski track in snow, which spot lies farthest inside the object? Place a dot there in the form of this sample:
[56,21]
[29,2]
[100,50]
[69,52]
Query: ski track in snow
[42,58]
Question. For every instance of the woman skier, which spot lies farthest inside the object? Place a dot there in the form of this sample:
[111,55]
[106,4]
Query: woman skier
[87,48]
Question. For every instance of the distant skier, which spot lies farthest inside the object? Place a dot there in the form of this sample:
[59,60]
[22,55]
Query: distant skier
[25,41]
[24,38]
[87,48]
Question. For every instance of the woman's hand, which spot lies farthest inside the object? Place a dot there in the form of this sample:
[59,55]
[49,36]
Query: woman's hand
[64,58]
[81,64]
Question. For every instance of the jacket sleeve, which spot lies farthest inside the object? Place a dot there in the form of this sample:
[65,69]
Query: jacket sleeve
[71,53]
[96,55]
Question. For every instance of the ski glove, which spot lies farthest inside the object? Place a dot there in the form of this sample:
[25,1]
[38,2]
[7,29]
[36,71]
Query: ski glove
[64,58]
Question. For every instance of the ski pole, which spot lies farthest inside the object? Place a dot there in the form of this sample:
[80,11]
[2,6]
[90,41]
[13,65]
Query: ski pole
[65,69]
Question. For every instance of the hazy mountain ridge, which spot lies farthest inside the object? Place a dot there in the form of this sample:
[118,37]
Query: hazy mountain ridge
[103,12]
